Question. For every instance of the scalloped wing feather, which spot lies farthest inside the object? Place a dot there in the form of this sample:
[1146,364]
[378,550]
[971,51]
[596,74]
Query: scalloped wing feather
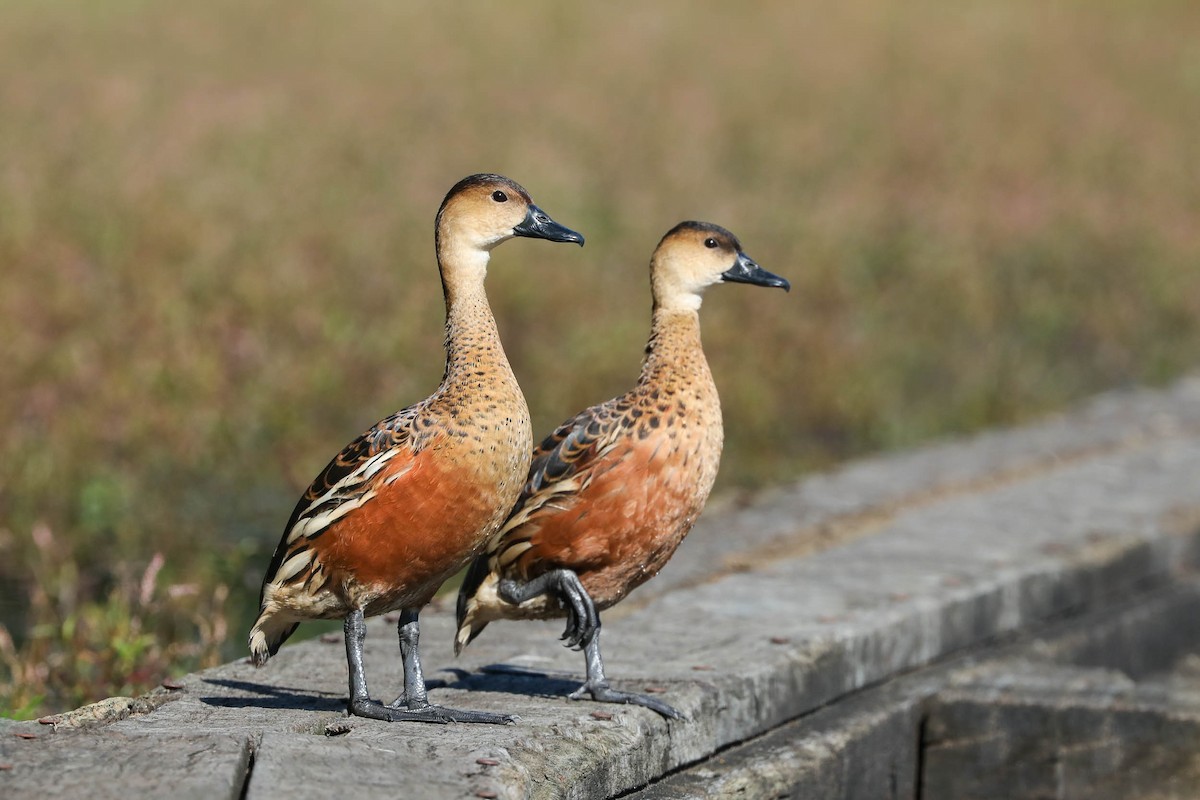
[345,483]
[563,465]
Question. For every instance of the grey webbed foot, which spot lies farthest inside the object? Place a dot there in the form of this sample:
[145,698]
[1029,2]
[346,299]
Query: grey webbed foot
[397,711]
[603,693]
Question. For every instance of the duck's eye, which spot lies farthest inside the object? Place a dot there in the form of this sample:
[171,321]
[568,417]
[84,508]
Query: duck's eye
[499,196]
[710,243]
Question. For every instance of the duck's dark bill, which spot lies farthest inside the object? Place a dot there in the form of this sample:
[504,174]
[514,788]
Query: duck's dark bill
[746,271]
[538,225]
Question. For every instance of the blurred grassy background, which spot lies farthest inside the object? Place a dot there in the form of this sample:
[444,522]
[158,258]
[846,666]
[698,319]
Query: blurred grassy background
[216,237]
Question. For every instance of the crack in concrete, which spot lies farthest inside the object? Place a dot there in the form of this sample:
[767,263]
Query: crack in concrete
[247,766]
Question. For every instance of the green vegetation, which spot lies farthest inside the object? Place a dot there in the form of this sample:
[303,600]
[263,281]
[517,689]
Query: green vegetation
[216,246]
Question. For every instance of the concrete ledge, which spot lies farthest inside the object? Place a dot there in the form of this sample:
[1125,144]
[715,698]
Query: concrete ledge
[1100,705]
[1108,709]
[823,597]
[1098,741]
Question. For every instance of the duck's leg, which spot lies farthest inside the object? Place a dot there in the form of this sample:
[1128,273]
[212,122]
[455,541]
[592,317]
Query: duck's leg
[583,623]
[414,703]
[597,685]
[361,703]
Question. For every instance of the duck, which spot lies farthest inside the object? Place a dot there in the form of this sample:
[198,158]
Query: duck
[412,500]
[612,492]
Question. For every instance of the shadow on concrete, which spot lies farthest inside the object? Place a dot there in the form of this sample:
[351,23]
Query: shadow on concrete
[266,696]
[500,678]
[513,679]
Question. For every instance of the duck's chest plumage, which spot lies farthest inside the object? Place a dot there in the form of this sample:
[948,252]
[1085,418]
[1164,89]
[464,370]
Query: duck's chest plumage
[485,441]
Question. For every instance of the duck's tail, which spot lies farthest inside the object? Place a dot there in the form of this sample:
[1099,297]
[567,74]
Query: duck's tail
[470,613]
[270,630]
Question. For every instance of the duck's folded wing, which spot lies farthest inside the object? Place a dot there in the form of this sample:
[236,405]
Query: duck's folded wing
[567,460]
[345,484]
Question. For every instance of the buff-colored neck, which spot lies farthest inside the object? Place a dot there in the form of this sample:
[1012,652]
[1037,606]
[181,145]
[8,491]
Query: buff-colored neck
[674,348]
[472,340]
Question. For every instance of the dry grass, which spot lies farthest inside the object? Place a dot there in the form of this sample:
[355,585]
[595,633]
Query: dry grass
[216,232]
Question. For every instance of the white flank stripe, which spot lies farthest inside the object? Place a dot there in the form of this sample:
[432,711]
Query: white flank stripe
[512,553]
[364,472]
[397,474]
[295,532]
[292,567]
[375,463]
[314,525]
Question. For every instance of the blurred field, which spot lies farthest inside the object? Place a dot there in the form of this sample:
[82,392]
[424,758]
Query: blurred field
[217,263]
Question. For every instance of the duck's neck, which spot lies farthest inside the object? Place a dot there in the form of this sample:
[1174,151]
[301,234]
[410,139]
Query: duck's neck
[472,341]
[674,352]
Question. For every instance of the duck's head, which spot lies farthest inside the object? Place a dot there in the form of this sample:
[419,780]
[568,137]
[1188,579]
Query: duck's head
[693,256]
[481,211]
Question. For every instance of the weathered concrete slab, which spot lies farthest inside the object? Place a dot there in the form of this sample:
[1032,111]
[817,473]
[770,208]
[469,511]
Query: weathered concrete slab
[1100,740]
[776,611]
[1109,709]
[928,733]
[118,765]
[431,765]
[867,746]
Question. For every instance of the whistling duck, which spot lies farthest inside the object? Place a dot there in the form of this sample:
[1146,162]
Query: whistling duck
[613,491]
[416,497]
